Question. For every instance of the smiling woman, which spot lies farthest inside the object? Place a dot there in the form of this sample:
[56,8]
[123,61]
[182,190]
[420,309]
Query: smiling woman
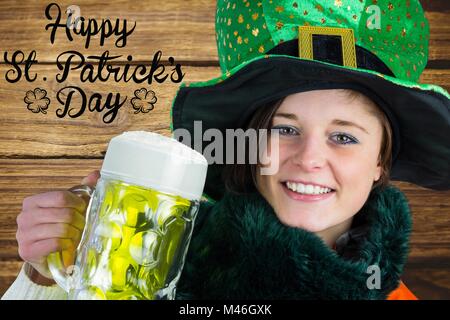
[330,195]
[329,154]
[317,227]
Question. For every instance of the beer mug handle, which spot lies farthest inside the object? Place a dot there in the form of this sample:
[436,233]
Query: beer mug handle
[61,275]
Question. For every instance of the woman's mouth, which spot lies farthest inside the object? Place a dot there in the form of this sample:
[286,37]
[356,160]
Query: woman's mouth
[306,192]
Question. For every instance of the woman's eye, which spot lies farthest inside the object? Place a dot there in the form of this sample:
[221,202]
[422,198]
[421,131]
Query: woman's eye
[286,130]
[343,138]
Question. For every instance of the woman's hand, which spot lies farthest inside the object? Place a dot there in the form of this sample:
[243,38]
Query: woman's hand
[51,222]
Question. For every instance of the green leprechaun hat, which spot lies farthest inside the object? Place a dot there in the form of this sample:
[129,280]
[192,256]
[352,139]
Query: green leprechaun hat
[269,49]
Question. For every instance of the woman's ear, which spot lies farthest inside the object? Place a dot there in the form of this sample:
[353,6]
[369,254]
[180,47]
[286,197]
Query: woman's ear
[378,172]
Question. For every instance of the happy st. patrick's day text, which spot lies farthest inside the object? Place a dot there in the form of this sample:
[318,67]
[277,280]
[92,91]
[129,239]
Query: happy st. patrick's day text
[93,67]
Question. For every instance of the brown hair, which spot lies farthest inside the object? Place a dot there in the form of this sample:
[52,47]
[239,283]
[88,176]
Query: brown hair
[241,178]
[385,155]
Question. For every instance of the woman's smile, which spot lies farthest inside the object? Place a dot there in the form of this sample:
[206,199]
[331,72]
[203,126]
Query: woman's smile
[306,191]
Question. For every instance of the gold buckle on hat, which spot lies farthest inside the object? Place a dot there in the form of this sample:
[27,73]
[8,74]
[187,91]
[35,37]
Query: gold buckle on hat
[305,42]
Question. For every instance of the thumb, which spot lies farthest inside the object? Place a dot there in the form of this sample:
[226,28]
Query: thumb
[91,179]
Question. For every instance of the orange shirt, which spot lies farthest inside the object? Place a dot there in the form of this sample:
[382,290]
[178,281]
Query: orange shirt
[401,293]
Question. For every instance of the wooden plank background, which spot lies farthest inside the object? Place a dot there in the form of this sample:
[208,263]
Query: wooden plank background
[41,152]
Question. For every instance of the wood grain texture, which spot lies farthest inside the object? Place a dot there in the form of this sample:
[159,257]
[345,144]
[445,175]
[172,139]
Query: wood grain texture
[39,153]
[439,47]
[427,272]
[46,135]
[425,281]
[427,278]
[20,178]
[9,271]
[181,29]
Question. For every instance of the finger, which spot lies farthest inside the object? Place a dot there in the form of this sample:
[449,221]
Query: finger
[91,179]
[43,248]
[83,192]
[61,215]
[29,219]
[55,199]
[49,231]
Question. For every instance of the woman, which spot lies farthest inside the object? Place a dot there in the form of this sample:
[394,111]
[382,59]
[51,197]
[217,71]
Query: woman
[324,216]
[343,99]
[352,107]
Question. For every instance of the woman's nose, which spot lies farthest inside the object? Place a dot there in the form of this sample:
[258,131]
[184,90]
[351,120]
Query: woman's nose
[310,154]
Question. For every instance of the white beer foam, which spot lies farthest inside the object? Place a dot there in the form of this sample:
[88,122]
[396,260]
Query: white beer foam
[154,161]
[163,143]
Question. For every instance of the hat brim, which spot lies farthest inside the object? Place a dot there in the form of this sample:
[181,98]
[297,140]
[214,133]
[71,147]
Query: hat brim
[421,112]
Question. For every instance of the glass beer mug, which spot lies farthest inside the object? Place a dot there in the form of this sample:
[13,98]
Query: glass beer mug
[138,222]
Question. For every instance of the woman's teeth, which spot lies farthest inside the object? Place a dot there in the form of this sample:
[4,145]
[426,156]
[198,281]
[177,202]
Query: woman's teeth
[307,188]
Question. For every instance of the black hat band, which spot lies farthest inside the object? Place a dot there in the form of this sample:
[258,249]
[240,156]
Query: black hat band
[328,48]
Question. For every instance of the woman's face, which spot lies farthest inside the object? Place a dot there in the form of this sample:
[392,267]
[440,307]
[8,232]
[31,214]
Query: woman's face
[329,147]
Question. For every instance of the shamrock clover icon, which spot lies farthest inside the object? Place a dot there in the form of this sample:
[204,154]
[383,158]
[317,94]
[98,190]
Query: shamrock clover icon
[144,100]
[37,101]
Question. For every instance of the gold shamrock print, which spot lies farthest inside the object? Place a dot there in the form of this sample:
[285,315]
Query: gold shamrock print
[144,100]
[37,101]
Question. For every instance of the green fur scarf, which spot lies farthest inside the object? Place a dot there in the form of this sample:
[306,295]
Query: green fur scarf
[240,250]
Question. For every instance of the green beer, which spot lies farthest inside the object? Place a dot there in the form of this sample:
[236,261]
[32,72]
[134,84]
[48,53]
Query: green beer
[139,221]
[135,241]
